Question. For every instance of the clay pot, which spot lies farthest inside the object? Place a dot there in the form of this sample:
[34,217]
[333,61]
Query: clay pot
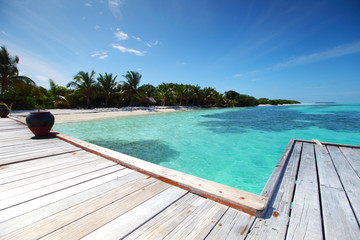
[40,123]
[4,112]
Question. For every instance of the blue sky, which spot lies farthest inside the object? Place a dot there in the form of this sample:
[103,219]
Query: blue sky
[303,50]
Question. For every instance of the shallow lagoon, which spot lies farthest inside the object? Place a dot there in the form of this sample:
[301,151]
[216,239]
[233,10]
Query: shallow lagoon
[238,147]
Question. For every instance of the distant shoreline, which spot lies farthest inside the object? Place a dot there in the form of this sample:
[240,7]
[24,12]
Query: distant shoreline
[80,115]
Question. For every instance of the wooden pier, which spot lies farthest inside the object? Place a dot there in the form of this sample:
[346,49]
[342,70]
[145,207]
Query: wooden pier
[64,188]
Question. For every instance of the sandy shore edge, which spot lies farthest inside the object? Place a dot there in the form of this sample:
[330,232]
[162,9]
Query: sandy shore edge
[79,115]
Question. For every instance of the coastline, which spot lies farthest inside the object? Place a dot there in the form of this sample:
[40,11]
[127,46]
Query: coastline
[79,115]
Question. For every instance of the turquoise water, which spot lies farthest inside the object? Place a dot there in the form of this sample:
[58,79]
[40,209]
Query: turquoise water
[238,147]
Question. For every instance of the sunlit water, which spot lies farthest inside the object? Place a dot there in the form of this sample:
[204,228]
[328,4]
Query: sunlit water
[238,147]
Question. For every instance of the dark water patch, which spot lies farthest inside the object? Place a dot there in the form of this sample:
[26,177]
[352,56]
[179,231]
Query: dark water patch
[154,151]
[277,119]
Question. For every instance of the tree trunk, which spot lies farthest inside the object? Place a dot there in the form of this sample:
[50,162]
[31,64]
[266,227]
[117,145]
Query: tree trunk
[106,100]
[88,102]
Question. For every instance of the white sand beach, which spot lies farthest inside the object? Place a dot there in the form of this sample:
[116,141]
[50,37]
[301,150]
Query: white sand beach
[77,115]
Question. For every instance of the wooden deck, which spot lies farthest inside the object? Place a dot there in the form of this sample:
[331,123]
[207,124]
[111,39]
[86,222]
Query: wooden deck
[51,189]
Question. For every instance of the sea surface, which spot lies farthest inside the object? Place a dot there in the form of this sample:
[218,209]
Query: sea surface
[238,147]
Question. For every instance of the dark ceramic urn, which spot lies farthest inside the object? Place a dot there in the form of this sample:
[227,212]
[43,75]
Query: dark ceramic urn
[4,112]
[40,123]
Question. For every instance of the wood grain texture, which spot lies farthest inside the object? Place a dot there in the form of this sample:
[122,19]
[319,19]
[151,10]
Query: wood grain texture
[55,207]
[340,205]
[352,155]
[53,222]
[234,224]
[86,225]
[165,222]
[29,206]
[134,218]
[305,219]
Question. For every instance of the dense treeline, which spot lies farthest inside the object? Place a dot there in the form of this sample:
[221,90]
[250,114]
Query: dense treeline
[276,101]
[88,90]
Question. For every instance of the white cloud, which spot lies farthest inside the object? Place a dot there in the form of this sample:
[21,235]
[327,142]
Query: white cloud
[322,56]
[238,75]
[151,44]
[128,50]
[116,3]
[120,35]
[3,32]
[114,6]
[88,4]
[97,27]
[137,38]
[100,54]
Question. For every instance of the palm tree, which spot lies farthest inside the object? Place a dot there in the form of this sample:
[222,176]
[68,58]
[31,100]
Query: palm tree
[8,71]
[180,93]
[85,83]
[53,88]
[107,85]
[209,95]
[131,87]
[165,92]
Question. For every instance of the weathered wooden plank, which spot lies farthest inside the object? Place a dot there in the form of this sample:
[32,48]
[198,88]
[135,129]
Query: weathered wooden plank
[20,157]
[341,219]
[55,207]
[202,220]
[357,150]
[305,219]
[269,228]
[276,220]
[193,220]
[91,222]
[42,163]
[134,218]
[13,145]
[30,146]
[29,206]
[14,152]
[275,177]
[16,134]
[19,136]
[285,194]
[352,157]
[29,177]
[233,225]
[165,222]
[52,223]
[338,217]
[97,170]
[53,177]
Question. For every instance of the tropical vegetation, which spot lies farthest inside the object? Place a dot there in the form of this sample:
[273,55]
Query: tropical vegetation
[86,90]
